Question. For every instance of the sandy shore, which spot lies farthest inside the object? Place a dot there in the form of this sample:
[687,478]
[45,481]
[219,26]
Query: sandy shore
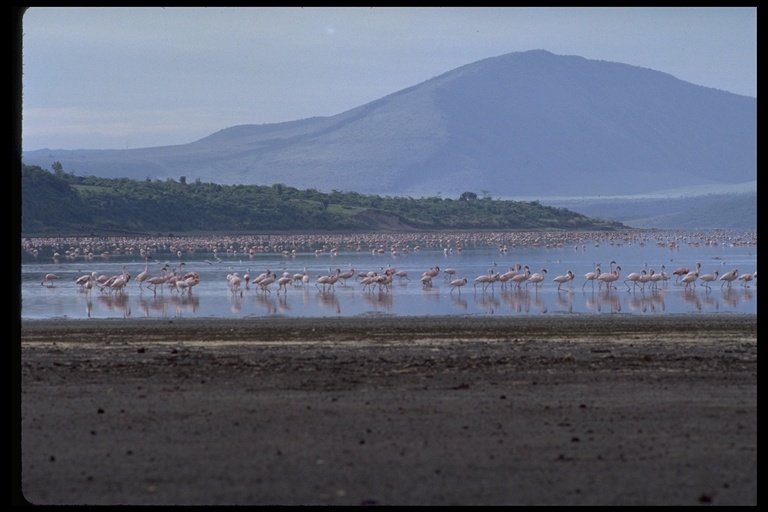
[573,410]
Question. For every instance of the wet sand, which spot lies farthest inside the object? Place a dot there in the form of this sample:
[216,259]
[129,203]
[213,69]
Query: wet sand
[572,410]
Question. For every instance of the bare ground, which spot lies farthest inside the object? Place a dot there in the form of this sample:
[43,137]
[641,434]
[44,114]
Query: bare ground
[576,410]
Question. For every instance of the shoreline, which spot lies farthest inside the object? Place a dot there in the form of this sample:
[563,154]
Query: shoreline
[577,410]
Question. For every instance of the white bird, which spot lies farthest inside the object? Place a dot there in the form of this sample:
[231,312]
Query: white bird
[560,280]
[458,283]
[50,278]
[634,278]
[402,274]
[609,277]
[690,279]
[708,278]
[347,274]
[485,279]
[83,280]
[383,281]
[729,277]
[369,279]
[519,279]
[144,275]
[591,276]
[328,280]
[264,283]
[283,283]
[651,277]
[536,278]
[745,278]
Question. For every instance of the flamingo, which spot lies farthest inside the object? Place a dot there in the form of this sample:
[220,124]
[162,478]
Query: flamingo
[155,281]
[651,277]
[402,274]
[426,281]
[536,278]
[635,277]
[182,285]
[563,279]
[299,276]
[264,283]
[283,282]
[509,274]
[118,284]
[327,280]
[591,276]
[50,278]
[708,278]
[745,278]
[335,277]
[384,281]
[84,280]
[450,273]
[690,279]
[680,272]
[347,274]
[663,276]
[609,277]
[369,279]
[458,283]
[519,279]
[144,275]
[192,282]
[485,279]
[728,277]
[234,281]
[262,276]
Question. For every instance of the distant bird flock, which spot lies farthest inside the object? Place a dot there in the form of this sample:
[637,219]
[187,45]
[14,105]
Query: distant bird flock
[161,273]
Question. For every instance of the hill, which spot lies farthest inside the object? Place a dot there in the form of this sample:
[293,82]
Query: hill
[529,125]
[60,203]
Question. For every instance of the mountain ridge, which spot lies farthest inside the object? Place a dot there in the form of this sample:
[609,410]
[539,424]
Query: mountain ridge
[524,124]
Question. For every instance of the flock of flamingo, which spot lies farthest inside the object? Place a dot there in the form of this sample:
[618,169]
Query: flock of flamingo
[178,280]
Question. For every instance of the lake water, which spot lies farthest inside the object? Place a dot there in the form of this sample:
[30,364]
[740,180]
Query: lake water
[213,296]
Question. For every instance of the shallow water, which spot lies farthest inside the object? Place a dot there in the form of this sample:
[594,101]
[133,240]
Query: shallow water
[213,297]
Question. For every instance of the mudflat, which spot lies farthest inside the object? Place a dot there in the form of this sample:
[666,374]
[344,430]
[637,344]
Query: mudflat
[480,410]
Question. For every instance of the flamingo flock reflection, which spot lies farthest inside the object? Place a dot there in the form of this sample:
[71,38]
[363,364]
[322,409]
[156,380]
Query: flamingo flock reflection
[165,284]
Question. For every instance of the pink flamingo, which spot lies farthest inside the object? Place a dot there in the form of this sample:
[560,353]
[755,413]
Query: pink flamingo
[536,278]
[560,280]
[49,278]
[591,276]
[609,277]
[458,283]
[708,278]
[729,277]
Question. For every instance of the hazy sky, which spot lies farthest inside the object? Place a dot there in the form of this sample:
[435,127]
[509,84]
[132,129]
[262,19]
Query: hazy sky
[115,78]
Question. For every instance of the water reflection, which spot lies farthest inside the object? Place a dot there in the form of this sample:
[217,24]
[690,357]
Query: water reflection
[379,299]
[265,302]
[214,295]
[565,301]
[488,303]
[184,303]
[647,301]
[328,299]
[118,302]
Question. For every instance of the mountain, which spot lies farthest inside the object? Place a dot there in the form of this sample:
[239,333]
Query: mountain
[522,125]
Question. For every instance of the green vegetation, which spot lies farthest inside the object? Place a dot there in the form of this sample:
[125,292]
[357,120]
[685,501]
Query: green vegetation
[62,203]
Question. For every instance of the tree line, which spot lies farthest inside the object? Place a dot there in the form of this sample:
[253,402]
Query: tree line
[57,202]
